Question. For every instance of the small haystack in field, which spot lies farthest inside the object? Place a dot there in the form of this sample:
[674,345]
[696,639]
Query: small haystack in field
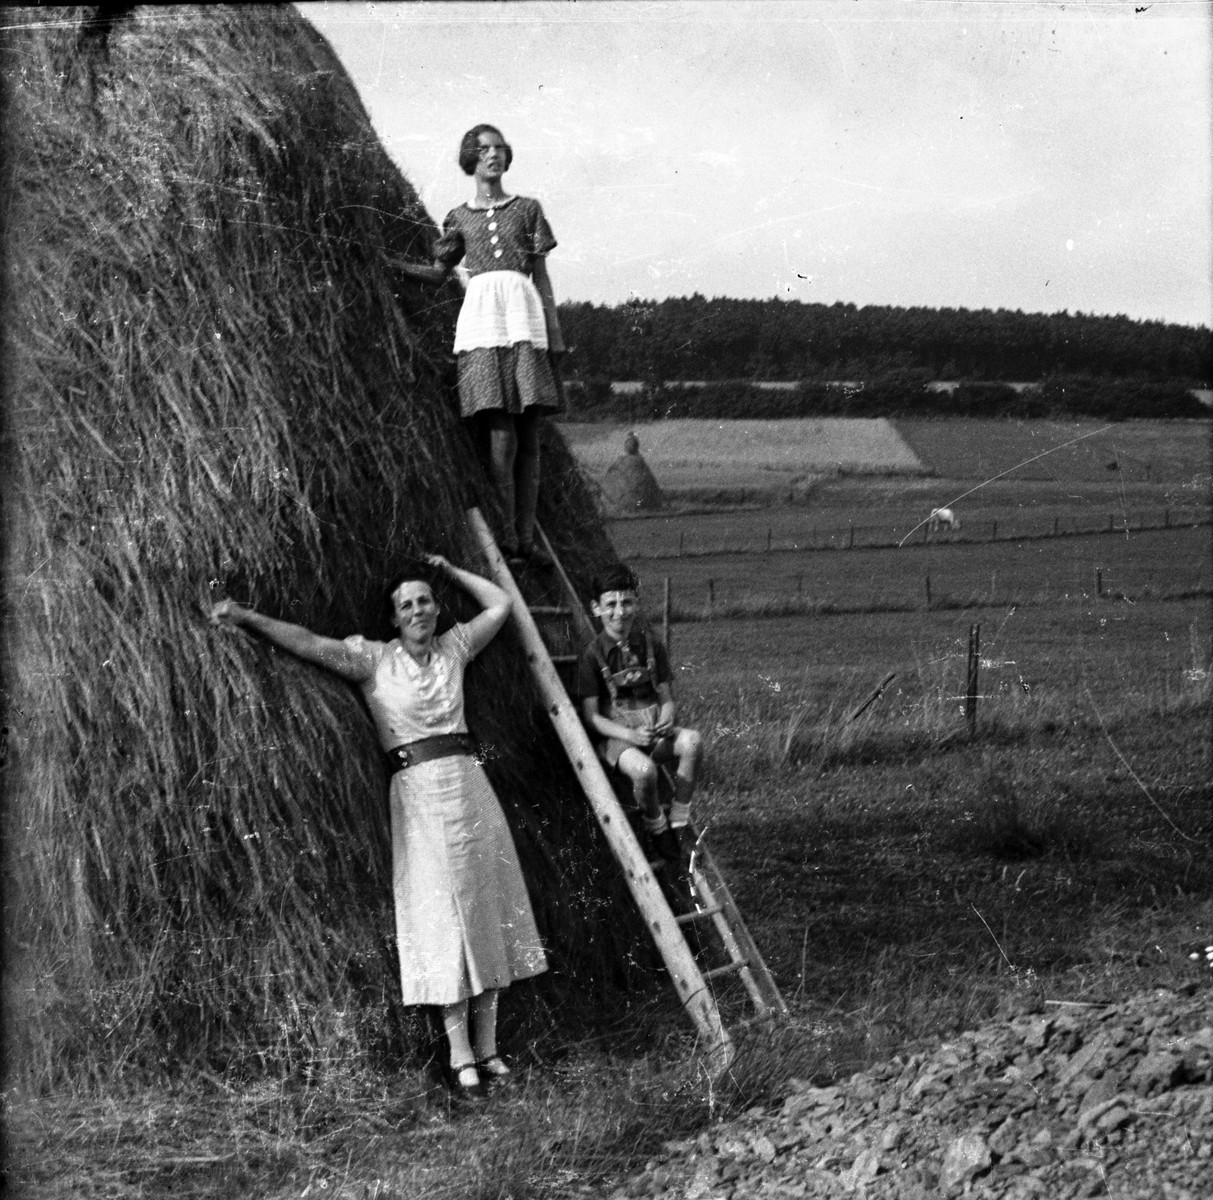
[215,388]
[629,486]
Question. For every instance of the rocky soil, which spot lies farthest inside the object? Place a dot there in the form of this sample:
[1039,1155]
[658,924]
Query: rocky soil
[1057,1101]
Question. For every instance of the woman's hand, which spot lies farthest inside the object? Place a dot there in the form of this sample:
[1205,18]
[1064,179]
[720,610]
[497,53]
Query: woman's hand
[436,560]
[228,612]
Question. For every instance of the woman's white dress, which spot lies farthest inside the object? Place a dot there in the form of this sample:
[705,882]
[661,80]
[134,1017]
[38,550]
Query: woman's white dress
[463,917]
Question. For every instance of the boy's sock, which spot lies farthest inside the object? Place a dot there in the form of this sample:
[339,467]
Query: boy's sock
[680,809]
[656,824]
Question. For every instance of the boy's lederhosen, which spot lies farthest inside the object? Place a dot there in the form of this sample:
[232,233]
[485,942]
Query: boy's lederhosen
[625,709]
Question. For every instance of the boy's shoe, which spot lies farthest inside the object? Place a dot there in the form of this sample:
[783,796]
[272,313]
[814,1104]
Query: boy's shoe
[668,845]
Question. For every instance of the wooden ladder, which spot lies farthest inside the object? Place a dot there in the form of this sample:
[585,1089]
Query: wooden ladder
[570,629]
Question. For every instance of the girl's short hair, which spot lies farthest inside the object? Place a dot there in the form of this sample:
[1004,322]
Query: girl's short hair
[618,578]
[469,148]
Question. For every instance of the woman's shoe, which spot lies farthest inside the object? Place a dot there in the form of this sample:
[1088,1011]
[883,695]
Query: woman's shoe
[493,1071]
[465,1082]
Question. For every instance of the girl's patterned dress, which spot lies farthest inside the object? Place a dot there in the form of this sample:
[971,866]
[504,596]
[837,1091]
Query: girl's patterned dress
[463,917]
[501,336]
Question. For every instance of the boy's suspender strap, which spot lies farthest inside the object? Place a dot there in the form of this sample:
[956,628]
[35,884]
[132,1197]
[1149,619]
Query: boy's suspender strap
[651,655]
[611,686]
[650,665]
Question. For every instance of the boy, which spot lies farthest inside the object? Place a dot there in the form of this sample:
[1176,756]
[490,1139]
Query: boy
[624,684]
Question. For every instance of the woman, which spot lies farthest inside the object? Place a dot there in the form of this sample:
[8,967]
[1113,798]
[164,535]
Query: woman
[464,925]
[507,329]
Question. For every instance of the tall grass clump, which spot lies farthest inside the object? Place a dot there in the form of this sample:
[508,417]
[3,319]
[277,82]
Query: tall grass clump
[217,387]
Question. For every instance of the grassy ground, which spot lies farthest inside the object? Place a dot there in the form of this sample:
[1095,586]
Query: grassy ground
[902,881]
[1050,571]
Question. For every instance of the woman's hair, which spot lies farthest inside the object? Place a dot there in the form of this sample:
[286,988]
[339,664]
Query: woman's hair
[411,570]
[618,578]
[469,148]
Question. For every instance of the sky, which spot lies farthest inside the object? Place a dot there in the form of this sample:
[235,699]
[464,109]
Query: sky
[947,153]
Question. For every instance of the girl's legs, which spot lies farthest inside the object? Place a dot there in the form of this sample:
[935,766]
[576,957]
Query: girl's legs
[526,476]
[503,451]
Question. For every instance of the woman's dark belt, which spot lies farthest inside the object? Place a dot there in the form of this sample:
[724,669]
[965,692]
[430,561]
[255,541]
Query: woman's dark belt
[443,745]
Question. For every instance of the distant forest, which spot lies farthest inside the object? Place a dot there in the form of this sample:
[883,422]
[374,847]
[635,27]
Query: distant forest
[699,339]
[1082,365]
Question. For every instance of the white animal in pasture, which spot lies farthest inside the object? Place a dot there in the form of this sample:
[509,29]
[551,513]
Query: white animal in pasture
[943,518]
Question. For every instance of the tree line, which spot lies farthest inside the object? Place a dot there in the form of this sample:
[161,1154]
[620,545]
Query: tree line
[694,338]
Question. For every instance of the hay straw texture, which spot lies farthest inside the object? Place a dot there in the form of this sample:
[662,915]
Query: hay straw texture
[216,387]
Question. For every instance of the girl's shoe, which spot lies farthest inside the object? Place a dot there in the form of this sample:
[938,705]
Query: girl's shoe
[536,556]
[494,1071]
[465,1082]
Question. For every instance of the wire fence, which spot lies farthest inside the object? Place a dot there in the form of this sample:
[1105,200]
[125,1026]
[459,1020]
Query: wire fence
[683,543]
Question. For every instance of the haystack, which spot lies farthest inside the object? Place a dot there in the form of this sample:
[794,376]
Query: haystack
[629,486]
[218,388]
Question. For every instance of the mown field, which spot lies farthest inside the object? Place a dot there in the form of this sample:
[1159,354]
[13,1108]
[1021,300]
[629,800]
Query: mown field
[1143,462]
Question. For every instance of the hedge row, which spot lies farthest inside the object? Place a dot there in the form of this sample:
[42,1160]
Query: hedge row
[903,395]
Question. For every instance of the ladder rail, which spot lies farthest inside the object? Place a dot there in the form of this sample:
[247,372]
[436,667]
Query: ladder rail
[735,935]
[692,988]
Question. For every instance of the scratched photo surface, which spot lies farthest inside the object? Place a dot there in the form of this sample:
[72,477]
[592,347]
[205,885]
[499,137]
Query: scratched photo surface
[886,367]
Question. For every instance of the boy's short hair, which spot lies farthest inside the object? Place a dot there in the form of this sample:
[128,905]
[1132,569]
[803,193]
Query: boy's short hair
[619,578]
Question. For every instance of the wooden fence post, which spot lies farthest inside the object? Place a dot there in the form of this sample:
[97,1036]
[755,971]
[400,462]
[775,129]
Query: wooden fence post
[1098,581]
[665,613]
[971,690]
[928,591]
[768,539]
[711,595]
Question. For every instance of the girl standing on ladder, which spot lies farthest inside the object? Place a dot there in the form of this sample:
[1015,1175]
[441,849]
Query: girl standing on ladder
[507,329]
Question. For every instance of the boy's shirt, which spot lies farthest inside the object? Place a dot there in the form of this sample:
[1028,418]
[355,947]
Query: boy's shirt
[628,663]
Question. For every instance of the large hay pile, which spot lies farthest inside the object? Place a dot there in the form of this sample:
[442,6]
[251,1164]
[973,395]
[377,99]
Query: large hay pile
[629,485]
[214,390]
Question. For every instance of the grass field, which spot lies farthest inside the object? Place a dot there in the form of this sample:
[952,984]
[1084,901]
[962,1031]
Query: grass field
[1067,452]
[1045,570]
[1133,462]
[703,457]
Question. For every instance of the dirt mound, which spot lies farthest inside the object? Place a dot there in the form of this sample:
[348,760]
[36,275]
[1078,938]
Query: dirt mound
[1059,1101]
[629,485]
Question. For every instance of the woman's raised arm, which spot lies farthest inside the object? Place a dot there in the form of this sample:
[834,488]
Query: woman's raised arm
[295,639]
[484,626]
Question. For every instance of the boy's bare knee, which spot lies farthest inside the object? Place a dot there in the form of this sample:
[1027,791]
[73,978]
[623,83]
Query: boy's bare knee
[638,767]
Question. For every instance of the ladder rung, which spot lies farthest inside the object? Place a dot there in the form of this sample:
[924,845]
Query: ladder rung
[698,914]
[563,658]
[550,610]
[739,965]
